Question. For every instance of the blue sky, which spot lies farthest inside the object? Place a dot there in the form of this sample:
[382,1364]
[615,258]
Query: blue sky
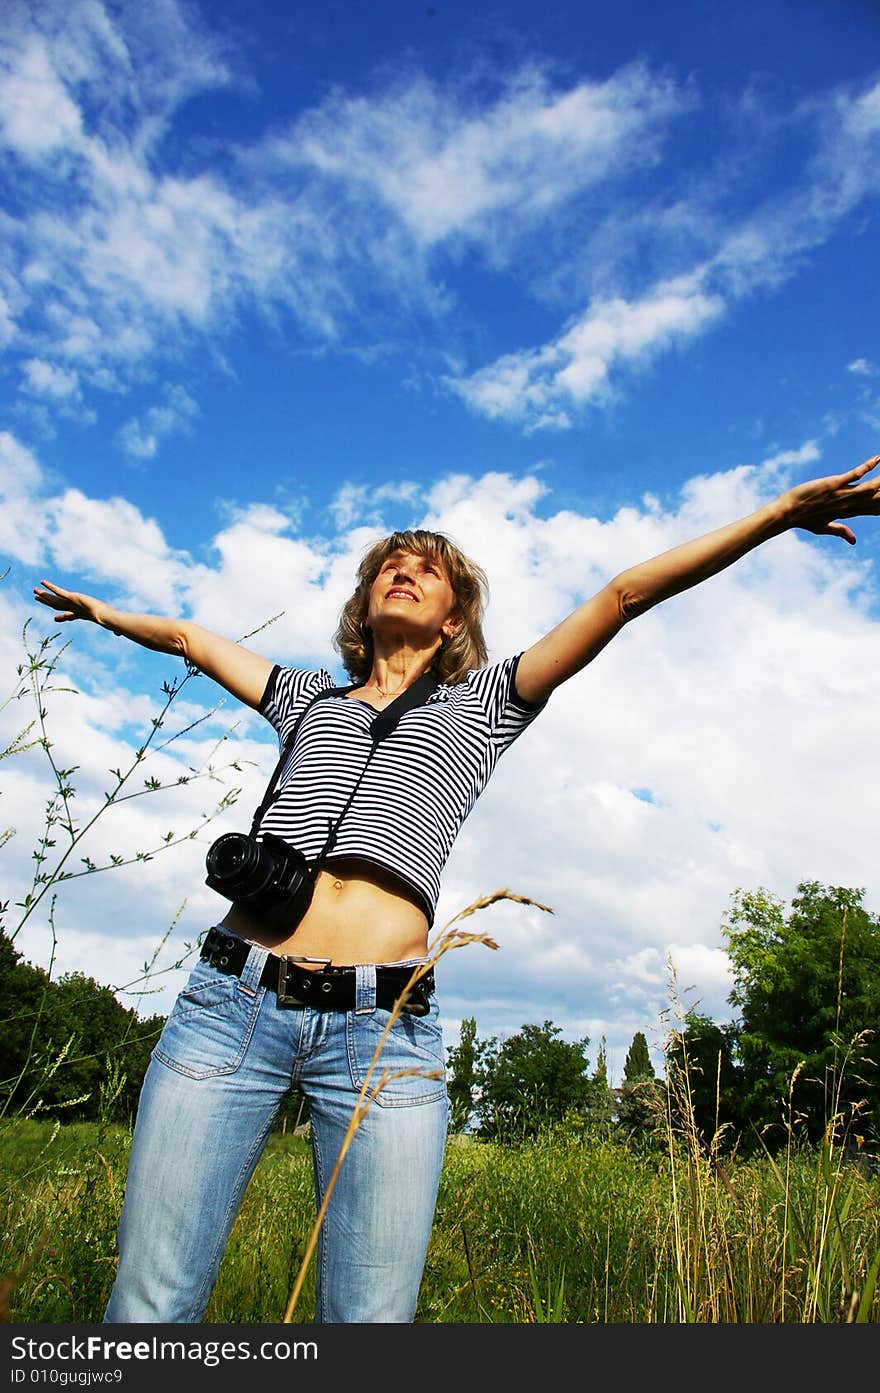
[571,282]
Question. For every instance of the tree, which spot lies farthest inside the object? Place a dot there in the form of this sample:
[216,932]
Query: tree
[637,1065]
[640,1098]
[807,985]
[68,1047]
[705,1081]
[464,1074]
[531,1081]
[601,1097]
[22,991]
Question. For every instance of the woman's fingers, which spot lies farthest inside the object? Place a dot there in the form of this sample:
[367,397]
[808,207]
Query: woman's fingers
[865,467]
[848,488]
[839,529]
[55,589]
[822,502]
[49,594]
[852,476]
[68,605]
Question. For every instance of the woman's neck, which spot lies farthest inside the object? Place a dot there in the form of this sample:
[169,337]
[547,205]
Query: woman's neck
[393,674]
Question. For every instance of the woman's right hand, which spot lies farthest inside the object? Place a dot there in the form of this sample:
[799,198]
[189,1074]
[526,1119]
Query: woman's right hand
[69,603]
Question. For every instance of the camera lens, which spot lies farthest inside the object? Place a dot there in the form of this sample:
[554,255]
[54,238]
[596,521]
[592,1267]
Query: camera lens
[230,854]
[237,861]
[268,876]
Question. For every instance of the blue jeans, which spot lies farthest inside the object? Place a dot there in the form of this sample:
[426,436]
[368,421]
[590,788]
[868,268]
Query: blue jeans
[226,1058]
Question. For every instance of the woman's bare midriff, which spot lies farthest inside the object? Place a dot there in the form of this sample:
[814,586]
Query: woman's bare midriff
[357,915]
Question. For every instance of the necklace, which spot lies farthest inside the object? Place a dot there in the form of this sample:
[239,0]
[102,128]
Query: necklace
[383,693]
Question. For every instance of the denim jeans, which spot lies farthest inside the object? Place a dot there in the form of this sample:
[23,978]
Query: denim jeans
[226,1058]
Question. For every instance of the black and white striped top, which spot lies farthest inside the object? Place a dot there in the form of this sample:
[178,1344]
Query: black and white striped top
[422,781]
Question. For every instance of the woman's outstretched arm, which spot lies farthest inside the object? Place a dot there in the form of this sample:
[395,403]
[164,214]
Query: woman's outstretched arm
[815,506]
[244,674]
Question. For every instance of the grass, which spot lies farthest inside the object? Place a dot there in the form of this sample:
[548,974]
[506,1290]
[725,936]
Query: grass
[567,1228]
[561,1230]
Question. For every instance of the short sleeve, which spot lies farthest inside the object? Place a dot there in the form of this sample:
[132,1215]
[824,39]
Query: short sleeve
[288,692]
[507,713]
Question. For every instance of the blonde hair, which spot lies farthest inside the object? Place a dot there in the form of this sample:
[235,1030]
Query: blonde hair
[464,650]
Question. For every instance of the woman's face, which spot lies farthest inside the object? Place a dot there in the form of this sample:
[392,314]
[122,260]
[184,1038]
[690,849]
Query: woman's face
[411,596]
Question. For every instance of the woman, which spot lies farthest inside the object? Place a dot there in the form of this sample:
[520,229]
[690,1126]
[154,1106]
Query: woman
[299,996]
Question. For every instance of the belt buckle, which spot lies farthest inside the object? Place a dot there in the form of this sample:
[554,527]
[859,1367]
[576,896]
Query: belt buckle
[284,997]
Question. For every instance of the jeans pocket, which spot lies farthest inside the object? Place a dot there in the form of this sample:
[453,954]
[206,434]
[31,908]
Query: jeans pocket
[410,1067]
[210,1025]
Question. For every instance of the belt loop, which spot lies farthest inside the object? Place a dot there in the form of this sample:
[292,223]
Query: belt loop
[364,988]
[253,969]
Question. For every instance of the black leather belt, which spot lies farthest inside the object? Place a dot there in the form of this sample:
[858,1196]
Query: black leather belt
[325,989]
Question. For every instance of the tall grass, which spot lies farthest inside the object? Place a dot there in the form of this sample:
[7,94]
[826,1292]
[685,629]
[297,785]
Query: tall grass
[556,1229]
[570,1227]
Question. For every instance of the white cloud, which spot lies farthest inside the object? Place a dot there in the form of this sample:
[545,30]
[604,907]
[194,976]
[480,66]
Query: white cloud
[808,453]
[541,386]
[448,163]
[110,542]
[140,436]
[45,380]
[139,248]
[19,468]
[767,245]
[360,503]
[8,327]
[22,526]
[37,115]
[548,385]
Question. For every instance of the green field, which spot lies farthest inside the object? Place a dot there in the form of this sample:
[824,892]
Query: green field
[562,1229]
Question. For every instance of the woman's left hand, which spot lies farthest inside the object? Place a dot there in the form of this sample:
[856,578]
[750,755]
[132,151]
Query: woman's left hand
[816,505]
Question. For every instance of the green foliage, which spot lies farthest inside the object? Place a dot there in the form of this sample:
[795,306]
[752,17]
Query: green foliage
[705,1080]
[637,1065]
[68,1047]
[640,1101]
[59,1213]
[531,1081]
[548,1306]
[807,984]
[464,1067]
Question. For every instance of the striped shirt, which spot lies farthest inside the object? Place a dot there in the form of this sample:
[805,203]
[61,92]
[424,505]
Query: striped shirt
[422,780]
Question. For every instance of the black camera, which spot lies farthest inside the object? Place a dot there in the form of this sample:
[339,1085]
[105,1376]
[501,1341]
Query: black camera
[269,877]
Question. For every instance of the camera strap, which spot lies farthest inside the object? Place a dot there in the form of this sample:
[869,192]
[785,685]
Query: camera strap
[381,727]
